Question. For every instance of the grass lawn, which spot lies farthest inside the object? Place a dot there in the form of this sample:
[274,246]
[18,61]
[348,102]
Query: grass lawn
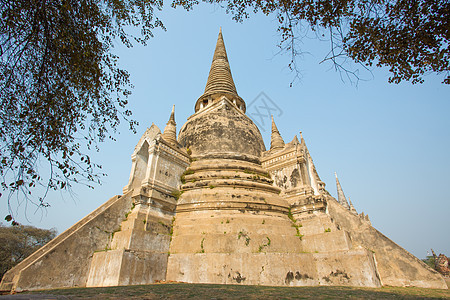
[216,291]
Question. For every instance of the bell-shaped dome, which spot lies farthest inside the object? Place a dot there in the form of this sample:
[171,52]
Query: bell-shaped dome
[221,128]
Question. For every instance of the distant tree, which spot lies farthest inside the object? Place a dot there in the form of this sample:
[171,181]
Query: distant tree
[61,88]
[430,261]
[18,242]
[410,37]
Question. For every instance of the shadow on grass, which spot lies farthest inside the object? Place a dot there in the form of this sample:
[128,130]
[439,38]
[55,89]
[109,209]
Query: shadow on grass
[216,291]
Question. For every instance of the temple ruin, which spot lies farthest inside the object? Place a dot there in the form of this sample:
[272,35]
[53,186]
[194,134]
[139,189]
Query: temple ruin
[214,206]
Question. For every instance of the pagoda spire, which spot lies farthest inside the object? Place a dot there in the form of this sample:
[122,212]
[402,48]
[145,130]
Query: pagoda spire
[341,197]
[170,131]
[276,142]
[220,81]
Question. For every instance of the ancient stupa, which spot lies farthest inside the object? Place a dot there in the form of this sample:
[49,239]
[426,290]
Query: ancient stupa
[213,206]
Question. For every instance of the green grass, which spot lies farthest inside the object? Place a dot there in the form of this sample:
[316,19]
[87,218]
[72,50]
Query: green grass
[216,291]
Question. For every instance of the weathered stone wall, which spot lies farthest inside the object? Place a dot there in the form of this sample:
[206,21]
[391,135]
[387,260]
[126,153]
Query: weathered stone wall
[166,169]
[142,154]
[138,251]
[126,267]
[354,268]
[65,261]
[249,247]
[395,265]
[293,171]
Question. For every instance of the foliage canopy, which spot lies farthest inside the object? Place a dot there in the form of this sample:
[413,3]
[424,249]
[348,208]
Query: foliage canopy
[61,88]
[410,37]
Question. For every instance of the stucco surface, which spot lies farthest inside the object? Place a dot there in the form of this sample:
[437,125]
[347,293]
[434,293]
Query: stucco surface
[213,206]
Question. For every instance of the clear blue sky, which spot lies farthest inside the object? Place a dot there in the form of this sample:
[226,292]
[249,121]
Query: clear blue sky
[389,144]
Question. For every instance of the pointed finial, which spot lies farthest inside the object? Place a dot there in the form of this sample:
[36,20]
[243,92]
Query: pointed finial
[302,140]
[276,142]
[352,208]
[170,131]
[172,115]
[341,196]
[295,140]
